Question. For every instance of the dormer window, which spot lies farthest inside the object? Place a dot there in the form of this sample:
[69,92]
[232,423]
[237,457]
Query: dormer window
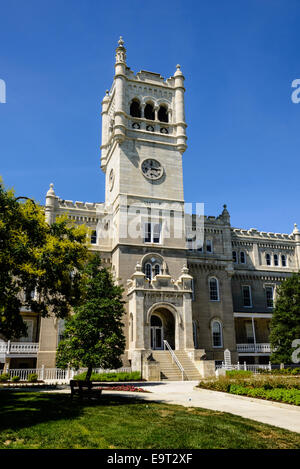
[163,114]
[149,112]
[135,108]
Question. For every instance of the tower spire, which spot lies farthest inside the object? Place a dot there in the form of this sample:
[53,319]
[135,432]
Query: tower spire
[120,52]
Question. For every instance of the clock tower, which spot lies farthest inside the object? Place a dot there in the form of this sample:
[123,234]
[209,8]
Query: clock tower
[143,139]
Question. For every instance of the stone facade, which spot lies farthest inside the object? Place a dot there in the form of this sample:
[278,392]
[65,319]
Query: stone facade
[192,280]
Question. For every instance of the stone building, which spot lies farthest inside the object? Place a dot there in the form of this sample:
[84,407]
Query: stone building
[193,282]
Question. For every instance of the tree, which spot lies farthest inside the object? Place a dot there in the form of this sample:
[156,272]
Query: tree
[36,257]
[93,335]
[285,323]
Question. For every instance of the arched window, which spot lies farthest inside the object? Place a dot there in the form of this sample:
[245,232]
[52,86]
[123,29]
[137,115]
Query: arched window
[276,259]
[149,111]
[156,269]
[217,338]
[213,289]
[242,257]
[135,108]
[163,114]
[234,257]
[268,259]
[283,260]
[148,270]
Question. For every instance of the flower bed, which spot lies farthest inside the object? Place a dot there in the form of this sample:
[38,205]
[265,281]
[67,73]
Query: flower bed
[124,387]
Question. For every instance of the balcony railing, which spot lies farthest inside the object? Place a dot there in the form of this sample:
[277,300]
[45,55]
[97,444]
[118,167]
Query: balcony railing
[22,348]
[253,348]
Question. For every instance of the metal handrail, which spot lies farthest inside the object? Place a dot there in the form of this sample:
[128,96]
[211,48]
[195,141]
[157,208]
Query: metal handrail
[174,358]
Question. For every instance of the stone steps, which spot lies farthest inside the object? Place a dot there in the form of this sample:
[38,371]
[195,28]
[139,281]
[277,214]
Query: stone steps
[170,370]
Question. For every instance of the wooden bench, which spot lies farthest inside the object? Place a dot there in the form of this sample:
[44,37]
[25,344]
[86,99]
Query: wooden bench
[85,389]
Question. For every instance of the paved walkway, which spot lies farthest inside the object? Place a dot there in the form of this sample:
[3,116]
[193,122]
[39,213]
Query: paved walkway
[183,393]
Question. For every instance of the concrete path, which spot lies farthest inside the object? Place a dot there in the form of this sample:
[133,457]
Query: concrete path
[183,393]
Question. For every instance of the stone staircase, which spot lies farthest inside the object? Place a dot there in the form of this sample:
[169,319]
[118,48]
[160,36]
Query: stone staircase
[170,370]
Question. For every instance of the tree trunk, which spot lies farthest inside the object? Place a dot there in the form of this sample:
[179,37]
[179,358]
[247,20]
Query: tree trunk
[88,373]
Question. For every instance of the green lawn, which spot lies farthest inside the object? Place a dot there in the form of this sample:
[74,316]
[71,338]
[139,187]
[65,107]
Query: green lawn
[50,420]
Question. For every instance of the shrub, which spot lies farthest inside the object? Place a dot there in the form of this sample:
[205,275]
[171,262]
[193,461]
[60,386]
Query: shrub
[283,371]
[4,377]
[15,379]
[113,377]
[32,378]
[290,396]
[238,373]
[275,388]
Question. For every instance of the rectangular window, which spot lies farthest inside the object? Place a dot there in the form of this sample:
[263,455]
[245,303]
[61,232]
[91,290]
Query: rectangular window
[190,244]
[29,336]
[269,297]
[247,300]
[152,232]
[209,245]
[249,332]
[94,237]
[156,232]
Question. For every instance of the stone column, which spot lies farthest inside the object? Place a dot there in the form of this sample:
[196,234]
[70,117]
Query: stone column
[105,127]
[179,110]
[120,77]
[50,205]
[185,282]
[296,234]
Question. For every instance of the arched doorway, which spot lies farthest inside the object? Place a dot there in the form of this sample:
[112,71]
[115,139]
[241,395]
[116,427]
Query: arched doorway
[162,325]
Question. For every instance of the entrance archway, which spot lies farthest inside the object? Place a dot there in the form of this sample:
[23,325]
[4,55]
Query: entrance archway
[162,324]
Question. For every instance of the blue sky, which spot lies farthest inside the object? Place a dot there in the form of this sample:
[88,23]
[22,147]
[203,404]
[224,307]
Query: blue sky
[239,58]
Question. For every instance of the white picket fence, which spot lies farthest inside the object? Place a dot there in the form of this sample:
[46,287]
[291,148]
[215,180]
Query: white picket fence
[57,375]
[244,366]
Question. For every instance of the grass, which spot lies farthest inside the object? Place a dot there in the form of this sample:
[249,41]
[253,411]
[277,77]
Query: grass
[51,421]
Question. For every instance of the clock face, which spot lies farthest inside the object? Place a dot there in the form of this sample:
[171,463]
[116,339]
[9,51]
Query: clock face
[152,169]
[111,179]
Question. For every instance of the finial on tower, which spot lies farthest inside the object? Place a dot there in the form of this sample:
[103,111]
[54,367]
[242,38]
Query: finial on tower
[178,71]
[120,52]
[51,190]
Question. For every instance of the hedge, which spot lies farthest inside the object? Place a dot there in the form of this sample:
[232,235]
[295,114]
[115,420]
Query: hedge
[113,377]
